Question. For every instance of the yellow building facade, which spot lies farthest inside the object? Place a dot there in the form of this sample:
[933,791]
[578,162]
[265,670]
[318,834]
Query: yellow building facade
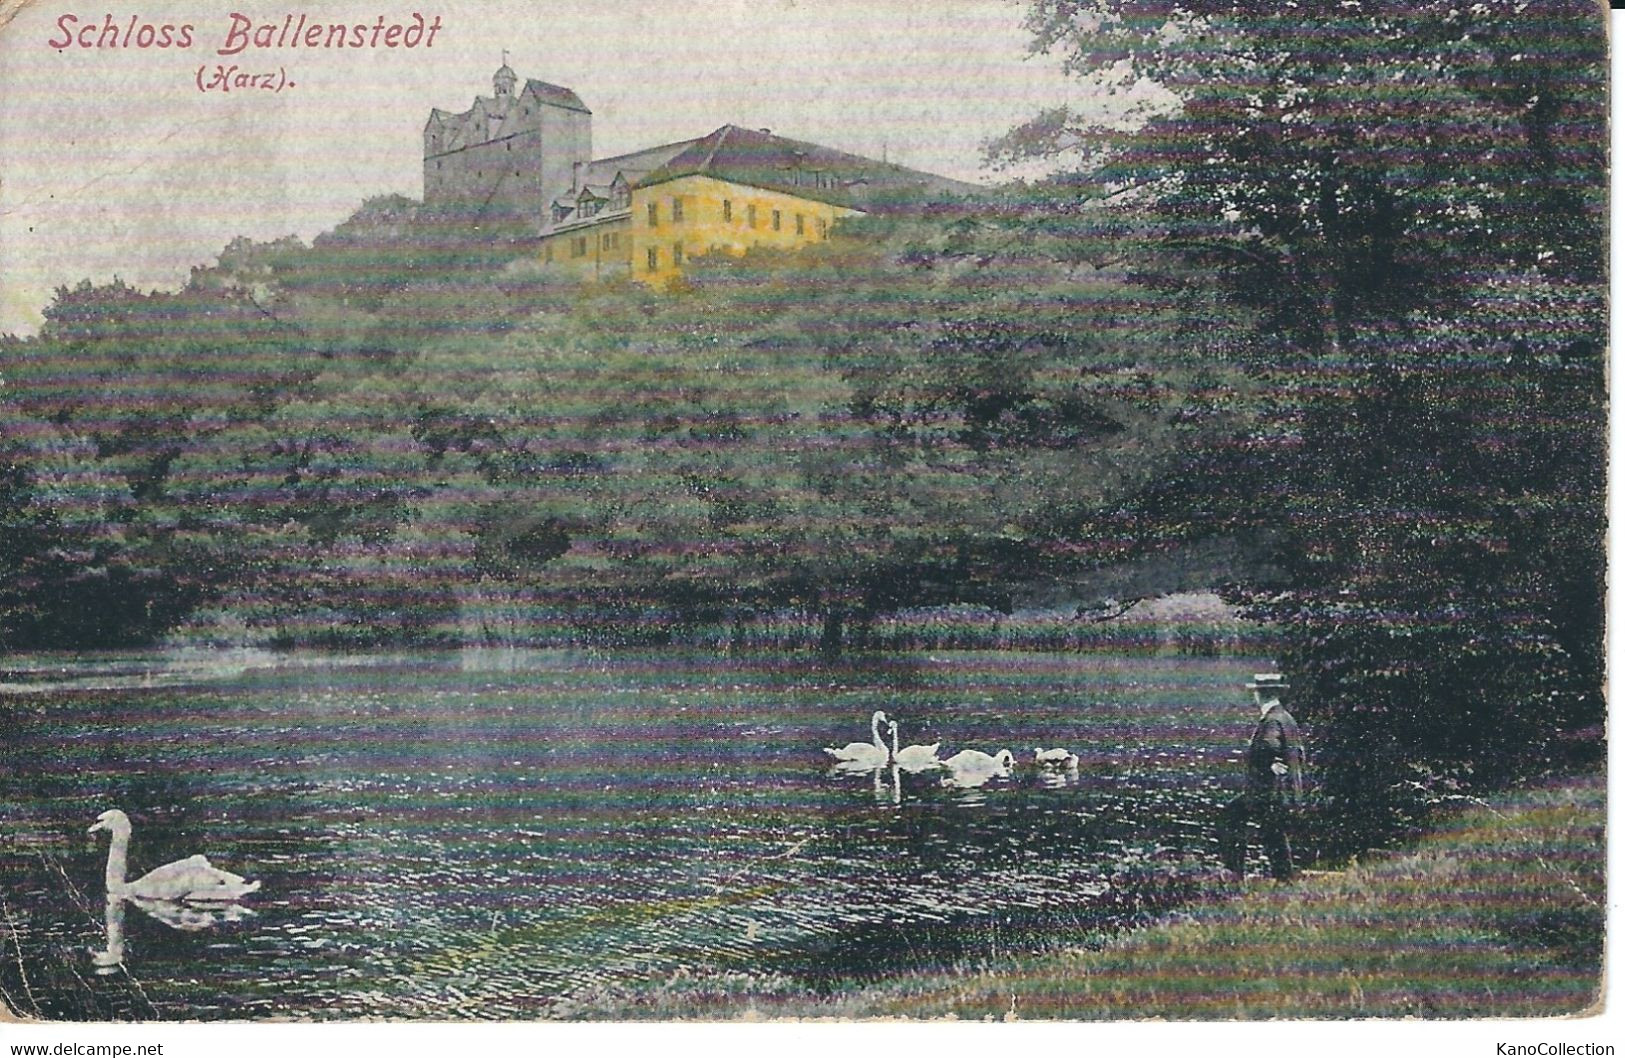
[679,220]
[646,215]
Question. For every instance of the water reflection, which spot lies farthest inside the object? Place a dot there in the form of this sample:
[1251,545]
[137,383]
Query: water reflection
[890,793]
[187,918]
[888,781]
[625,819]
[193,918]
[855,767]
[107,961]
[1057,780]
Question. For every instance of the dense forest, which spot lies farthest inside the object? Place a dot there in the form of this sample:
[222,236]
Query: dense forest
[1341,299]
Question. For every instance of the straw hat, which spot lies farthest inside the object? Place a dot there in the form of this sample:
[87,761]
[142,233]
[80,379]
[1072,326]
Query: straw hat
[1268,681]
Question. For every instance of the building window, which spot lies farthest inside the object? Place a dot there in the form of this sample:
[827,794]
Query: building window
[547,253]
[677,255]
[603,242]
[823,227]
[778,220]
[578,247]
[654,257]
[750,216]
[654,214]
[727,211]
[677,211]
[801,224]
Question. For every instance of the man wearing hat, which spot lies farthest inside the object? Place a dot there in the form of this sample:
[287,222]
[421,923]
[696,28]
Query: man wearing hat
[1274,782]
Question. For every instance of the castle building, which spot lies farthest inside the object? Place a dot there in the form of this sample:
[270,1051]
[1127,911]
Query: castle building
[527,153]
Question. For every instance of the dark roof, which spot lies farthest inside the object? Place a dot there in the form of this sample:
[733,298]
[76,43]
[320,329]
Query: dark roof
[635,165]
[557,95]
[761,159]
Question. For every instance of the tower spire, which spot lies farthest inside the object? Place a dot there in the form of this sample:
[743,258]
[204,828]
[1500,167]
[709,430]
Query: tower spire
[505,78]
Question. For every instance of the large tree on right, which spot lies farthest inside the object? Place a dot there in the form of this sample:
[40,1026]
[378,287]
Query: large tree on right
[1408,198]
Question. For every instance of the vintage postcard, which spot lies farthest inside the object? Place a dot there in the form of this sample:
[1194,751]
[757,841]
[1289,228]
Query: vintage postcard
[655,510]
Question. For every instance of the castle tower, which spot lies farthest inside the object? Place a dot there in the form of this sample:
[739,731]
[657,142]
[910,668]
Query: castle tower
[512,153]
[504,80]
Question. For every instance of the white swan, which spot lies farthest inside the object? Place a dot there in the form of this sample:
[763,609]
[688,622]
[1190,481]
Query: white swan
[972,767]
[865,754]
[1056,758]
[194,879]
[913,758]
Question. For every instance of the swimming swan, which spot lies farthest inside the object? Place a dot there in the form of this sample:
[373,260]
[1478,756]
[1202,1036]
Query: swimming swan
[867,754]
[972,767]
[913,758]
[193,879]
[1056,758]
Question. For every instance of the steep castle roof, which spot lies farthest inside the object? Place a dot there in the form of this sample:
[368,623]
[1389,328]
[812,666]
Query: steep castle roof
[498,110]
[760,159]
[557,95]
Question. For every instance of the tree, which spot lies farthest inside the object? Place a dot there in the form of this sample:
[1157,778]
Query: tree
[1408,200]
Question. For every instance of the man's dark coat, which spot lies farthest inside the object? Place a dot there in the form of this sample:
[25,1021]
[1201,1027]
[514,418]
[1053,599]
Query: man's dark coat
[1275,739]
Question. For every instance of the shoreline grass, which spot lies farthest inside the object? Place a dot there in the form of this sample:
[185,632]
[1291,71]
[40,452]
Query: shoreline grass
[1497,912]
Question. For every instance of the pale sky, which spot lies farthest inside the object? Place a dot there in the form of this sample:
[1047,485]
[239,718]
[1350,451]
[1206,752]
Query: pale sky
[113,162]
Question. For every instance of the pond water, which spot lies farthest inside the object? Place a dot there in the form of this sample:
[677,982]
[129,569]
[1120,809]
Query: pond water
[505,836]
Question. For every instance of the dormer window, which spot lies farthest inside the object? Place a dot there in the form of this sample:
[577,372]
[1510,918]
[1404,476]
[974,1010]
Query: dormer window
[588,204]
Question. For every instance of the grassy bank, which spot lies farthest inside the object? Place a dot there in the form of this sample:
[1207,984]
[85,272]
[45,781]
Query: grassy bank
[1500,911]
